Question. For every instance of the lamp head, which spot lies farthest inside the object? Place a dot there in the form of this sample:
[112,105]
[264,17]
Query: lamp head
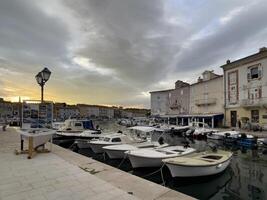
[39,78]
[45,73]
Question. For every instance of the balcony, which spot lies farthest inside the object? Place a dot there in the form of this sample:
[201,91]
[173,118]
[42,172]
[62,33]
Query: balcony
[205,102]
[254,102]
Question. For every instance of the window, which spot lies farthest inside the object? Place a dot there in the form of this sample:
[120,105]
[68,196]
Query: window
[77,124]
[182,92]
[116,140]
[255,116]
[254,72]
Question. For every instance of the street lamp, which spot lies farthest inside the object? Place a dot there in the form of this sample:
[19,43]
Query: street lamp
[41,78]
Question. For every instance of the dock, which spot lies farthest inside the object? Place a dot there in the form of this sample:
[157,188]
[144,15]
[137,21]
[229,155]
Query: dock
[63,174]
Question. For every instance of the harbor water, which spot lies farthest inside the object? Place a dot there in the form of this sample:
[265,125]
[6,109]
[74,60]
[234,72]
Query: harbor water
[245,178]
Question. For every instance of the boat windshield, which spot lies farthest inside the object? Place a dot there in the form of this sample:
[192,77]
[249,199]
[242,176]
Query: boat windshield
[106,139]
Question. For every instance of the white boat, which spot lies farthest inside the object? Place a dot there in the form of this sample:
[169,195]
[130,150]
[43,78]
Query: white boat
[118,151]
[112,139]
[144,132]
[199,164]
[153,157]
[76,129]
[57,125]
[83,143]
[221,135]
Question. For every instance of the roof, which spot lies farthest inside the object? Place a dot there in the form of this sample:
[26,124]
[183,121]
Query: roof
[162,91]
[254,57]
[217,76]
[193,115]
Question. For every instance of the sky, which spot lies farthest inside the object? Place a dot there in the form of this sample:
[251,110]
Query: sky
[113,52]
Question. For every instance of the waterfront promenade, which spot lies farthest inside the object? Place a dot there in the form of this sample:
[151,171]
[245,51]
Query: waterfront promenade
[63,174]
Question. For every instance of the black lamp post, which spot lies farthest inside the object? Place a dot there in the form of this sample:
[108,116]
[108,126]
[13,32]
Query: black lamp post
[41,78]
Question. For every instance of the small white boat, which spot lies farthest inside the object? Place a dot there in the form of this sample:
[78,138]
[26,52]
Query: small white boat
[199,164]
[91,134]
[221,135]
[118,151]
[112,139]
[153,157]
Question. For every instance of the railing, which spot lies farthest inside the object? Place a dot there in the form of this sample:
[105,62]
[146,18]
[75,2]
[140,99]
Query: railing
[253,102]
[203,102]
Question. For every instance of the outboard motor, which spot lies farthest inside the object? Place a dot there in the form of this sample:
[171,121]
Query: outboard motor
[161,141]
[186,144]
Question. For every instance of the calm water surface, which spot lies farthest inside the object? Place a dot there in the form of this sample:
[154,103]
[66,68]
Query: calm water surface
[245,178]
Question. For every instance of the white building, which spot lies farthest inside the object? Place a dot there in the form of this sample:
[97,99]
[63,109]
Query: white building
[246,89]
[160,102]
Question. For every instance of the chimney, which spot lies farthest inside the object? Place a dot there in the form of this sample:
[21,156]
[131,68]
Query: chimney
[262,49]
[228,61]
[199,79]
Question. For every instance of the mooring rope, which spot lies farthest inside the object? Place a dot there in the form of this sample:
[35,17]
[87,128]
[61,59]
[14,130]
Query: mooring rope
[124,158]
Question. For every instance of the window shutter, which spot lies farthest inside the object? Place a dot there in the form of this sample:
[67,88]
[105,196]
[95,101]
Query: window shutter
[248,94]
[260,71]
[248,74]
[260,92]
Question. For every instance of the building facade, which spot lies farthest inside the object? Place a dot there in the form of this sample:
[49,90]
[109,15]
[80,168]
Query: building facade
[160,102]
[179,98]
[246,90]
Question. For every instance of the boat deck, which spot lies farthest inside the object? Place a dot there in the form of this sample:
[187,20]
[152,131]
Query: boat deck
[63,174]
[200,159]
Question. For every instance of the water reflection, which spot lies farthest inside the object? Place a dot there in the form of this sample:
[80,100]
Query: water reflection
[245,178]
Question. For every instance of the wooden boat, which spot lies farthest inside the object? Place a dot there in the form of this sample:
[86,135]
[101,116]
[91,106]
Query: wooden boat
[199,164]
[153,157]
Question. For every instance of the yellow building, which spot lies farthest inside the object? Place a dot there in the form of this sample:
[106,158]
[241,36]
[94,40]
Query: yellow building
[245,83]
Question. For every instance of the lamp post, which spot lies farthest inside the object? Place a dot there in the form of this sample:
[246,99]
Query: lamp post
[41,78]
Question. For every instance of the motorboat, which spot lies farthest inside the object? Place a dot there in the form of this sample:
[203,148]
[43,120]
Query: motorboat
[153,157]
[57,125]
[200,130]
[199,164]
[88,135]
[220,135]
[111,139]
[76,129]
[118,151]
[241,139]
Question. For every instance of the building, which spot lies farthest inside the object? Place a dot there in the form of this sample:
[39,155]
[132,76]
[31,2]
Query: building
[6,110]
[179,98]
[95,111]
[245,83]
[62,111]
[207,99]
[160,102]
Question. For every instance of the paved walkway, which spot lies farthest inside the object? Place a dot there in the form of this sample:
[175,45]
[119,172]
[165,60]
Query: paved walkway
[66,175]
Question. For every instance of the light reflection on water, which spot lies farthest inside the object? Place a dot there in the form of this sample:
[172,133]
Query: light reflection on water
[246,178]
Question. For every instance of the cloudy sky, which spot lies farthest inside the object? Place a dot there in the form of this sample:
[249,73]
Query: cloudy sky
[113,52]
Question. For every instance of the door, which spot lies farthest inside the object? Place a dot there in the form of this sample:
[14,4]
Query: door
[255,116]
[233,118]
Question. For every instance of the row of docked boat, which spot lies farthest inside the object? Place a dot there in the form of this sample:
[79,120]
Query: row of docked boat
[143,152]
[183,161]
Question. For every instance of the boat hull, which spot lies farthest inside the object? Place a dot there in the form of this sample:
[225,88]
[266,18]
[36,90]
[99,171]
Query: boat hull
[139,162]
[97,148]
[195,171]
[83,145]
[115,154]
